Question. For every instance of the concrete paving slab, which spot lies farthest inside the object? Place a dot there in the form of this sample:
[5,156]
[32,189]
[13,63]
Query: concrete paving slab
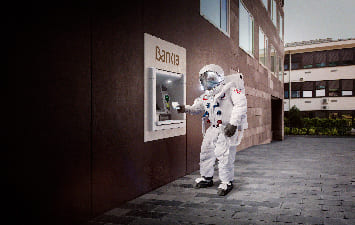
[301,180]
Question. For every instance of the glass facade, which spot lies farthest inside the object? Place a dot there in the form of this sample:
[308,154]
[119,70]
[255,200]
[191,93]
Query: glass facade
[318,59]
[325,88]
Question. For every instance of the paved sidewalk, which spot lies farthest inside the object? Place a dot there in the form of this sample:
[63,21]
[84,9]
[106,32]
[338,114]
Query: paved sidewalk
[301,180]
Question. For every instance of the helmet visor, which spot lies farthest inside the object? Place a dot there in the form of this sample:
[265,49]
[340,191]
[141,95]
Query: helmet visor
[210,79]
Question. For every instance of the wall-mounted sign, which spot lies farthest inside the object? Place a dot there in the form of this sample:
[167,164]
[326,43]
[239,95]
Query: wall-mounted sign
[166,56]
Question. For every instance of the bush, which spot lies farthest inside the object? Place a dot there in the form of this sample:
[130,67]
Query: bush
[294,131]
[286,122]
[334,132]
[327,131]
[307,123]
[312,131]
[324,126]
[287,130]
[302,131]
[294,117]
[319,131]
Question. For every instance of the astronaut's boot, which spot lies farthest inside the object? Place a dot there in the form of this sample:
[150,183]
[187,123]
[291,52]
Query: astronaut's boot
[203,182]
[224,188]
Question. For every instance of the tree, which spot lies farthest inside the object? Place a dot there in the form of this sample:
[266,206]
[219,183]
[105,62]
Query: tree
[294,117]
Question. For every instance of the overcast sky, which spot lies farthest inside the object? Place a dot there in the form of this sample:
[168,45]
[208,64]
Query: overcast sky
[314,19]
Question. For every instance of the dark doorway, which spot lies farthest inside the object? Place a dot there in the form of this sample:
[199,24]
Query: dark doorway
[276,118]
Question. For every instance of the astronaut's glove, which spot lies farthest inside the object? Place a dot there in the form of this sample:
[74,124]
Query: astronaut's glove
[229,130]
[181,109]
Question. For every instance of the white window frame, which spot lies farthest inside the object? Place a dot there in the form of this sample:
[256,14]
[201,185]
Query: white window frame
[241,3]
[227,33]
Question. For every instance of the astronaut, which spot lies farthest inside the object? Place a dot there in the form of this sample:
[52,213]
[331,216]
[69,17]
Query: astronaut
[224,106]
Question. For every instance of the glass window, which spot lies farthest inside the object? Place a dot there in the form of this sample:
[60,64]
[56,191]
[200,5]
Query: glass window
[347,87]
[320,58]
[296,60]
[273,58]
[320,93]
[333,57]
[246,29]
[307,86]
[333,88]
[346,56]
[265,3]
[273,12]
[224,15]
[295,66]
[346,93]
[262,47]
[295,94]
[286,90]
[307,94]
[320,64]
[296,89]
[216,12]
[307,60]
[320,88]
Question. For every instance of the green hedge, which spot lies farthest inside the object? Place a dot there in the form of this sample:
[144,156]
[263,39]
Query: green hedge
[317,126]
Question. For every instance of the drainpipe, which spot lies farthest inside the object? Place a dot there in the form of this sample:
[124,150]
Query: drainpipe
[289,82]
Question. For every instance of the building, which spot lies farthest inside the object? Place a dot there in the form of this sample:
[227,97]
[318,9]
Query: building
[81,75]
[320,75]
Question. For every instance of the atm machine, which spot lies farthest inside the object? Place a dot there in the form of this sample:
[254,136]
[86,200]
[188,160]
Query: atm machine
[165,88]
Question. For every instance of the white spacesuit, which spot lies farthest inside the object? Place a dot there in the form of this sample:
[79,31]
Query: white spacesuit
[224,106]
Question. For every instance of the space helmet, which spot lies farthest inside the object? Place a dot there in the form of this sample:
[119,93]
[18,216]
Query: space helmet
[211,76]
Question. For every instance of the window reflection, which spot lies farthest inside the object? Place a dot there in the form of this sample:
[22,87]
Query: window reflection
[215,11]
[246,29]
[262,47]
